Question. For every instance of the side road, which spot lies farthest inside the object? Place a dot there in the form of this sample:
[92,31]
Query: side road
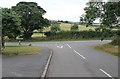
[25,66]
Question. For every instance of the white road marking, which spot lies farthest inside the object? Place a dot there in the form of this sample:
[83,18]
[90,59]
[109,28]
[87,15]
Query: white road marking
[105,73]
[16,74]
[79,54]
[60,46]
[46,66]
[69,46]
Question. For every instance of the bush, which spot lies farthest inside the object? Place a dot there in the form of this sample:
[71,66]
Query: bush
[116,40]
[77,34]
[55,27]
[75,27]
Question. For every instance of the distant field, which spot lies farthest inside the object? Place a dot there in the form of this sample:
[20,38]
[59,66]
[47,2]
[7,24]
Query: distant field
[66,26]
[35,35]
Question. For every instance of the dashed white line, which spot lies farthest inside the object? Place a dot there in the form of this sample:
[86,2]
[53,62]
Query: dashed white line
[105,73]
[69,46]
[79,54]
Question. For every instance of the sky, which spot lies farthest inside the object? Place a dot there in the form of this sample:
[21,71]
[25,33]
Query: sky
[69,10]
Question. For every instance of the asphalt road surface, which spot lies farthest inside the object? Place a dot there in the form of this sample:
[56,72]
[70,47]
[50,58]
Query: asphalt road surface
[79,59]
[0,66]
[25,66]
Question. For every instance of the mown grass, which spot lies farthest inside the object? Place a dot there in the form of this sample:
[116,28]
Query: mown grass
[108,48]
[20,50]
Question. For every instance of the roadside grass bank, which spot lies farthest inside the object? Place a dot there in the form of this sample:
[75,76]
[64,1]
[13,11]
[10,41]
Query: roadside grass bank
[20,50]
[109,48]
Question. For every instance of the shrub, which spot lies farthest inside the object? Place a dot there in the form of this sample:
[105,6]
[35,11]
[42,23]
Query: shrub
[55,27]
[75,27]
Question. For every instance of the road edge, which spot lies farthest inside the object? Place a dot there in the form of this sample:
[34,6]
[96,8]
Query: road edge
[46,66]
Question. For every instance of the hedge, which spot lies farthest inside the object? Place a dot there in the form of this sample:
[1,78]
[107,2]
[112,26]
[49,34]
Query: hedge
[79,34]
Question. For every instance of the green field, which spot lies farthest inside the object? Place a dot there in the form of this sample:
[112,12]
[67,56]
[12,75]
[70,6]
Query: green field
[20,50]
[65,27]
[35,35]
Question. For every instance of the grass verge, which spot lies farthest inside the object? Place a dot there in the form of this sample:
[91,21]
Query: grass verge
[47,39]
[108,48]
[20,50]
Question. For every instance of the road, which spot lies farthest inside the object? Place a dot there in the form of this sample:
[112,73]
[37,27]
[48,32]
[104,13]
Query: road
[0,66]
[25,66]
[79,59]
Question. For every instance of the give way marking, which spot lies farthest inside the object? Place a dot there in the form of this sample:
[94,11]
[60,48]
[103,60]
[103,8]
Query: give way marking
[60,47]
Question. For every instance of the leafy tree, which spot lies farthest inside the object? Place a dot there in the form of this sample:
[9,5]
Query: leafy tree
[10,24]
[82,19]
[108,13]
[0,27]
[75,27]
[55,27]
[0,17]
[31,17]
[91,12]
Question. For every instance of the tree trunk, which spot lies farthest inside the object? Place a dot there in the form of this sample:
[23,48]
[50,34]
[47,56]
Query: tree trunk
[3,42]
[27,35]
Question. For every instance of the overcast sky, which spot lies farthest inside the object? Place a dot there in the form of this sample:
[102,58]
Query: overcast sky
[69,10]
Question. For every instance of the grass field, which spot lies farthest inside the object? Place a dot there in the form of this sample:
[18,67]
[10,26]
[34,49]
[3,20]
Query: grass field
[108,48]
[20,50]
[67,26]
[35,35]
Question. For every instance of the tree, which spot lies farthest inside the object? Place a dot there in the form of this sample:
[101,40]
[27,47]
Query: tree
[82,19]
[31,17]
[75,27]
[108,13]
[0,27]
[10,24]
[55,27]
[92,12]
